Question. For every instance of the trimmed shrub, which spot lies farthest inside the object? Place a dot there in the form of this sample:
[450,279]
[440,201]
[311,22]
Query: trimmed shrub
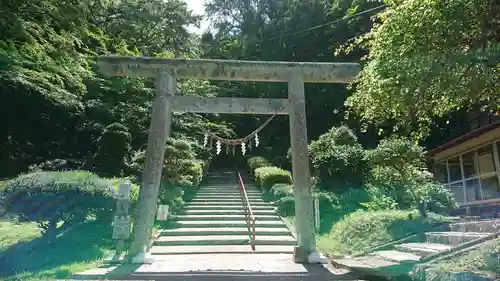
[256,162]
[56,165]
[113,150]
[55,197]
[266,177]
[362,230]
[286,206]
[281,190]
[399,172]
[338,158]
[180,166]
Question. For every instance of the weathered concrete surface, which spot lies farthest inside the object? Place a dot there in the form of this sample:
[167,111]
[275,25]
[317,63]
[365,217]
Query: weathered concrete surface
[222,211]
[226,105]
[159,251]
[230,70]
[304,207]
[225,240]
[159,131]
[484,226]
[226,231]
[453,238]
[397,256]
[423,249]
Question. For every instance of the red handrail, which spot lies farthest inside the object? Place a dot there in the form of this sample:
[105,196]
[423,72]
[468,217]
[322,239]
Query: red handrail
[249,217]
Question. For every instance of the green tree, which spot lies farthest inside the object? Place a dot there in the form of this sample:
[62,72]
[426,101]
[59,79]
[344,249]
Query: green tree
[428,58]
[111,158]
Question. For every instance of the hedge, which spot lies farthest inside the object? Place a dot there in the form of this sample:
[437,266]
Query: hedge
[266,177]
[256,162]
[53,197]
[281,190]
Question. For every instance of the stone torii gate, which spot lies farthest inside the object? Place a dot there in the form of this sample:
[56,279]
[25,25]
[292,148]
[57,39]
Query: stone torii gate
[166,72]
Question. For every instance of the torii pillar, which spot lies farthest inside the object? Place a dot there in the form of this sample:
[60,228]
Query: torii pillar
[167,71]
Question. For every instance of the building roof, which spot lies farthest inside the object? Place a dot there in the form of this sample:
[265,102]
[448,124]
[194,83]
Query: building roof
[465,137]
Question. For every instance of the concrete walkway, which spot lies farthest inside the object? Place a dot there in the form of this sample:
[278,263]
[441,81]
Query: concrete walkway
[210,240]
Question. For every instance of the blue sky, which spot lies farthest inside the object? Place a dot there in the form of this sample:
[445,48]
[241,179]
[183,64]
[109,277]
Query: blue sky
[197,6]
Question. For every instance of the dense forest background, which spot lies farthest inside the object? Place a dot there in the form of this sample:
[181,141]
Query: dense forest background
[57,108]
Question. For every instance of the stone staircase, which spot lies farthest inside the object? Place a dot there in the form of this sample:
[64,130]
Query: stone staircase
[399,259]
[214,222]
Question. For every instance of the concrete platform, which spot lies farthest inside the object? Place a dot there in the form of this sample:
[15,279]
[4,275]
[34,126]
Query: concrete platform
[237,267]
[263,263]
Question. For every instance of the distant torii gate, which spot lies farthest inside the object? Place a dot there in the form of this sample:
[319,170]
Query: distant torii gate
[167,71]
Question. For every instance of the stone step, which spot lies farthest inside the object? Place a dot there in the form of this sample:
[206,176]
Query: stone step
[239,211]
[228,203]
[225,231]
[235,190]
[397,256]
[224,223]
[482,226]
[423,249]
[222,217]
[453,238]
[227,199]
[226,207]
[219,249]
[226,192]
[224,240]
[222,196]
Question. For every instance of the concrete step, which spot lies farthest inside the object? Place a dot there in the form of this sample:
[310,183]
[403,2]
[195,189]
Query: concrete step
[229,203]
[239,211]
[224,223]
[423,249]
[453,238]
[225,200]
[397,256]
[225,207]
[222,196]
[224,231]
[226,192]
[224,240]
[221,217]
[234,190]
[219,249]
[482,226]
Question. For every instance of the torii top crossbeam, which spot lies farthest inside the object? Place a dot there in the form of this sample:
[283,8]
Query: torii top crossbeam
[233,70]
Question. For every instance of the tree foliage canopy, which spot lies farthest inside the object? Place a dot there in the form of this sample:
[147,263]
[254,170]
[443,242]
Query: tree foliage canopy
[428,58]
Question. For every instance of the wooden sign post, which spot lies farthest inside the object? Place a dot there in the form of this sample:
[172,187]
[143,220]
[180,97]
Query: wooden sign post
[121,222]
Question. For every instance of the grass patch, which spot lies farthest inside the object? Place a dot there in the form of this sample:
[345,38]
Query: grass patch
[34,257]
[362,230]
[11,233]
[482,259]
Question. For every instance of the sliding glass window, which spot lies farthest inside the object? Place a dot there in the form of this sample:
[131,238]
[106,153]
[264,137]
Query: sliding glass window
[473,175]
